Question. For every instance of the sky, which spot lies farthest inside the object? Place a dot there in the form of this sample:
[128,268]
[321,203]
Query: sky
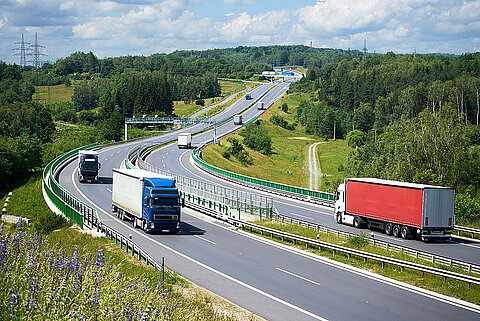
[112,28]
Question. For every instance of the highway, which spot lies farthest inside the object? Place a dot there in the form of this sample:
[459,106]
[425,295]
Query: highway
[270,280]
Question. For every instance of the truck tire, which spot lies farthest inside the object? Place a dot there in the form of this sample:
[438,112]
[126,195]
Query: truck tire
[356,222]
[405,232]
[396,230]
[339,218]
[388,228]
[135,222]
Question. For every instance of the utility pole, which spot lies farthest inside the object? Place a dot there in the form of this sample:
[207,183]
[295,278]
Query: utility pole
[334,128]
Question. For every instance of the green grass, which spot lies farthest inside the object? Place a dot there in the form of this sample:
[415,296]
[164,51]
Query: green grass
[53,94]
[289,162]
[435,283]
[180,108]
[333,156]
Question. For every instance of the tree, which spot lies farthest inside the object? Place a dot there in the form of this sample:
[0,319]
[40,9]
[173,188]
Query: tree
[356,138]
[256,137]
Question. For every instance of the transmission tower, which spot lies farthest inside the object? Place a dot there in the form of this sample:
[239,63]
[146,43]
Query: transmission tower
[36,54]
[364,46]
[22,52]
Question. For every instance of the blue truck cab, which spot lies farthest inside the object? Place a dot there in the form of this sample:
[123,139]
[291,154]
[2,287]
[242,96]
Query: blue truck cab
[161,205]
[248,96]
[88,166]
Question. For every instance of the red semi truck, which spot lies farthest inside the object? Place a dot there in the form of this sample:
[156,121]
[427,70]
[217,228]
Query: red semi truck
[403,209]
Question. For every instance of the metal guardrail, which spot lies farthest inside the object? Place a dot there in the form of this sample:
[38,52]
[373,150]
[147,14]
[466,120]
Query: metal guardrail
[296,192]
[225,201]
[465,229]
[82,214]
[316,197]
[429,257]
[349,252]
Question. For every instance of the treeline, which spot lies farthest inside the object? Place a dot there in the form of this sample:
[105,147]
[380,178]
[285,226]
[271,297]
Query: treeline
[410,118]
[240,62]
[143,92]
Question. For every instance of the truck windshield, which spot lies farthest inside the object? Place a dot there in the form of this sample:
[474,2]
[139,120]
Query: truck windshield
[90,164]
[164,202]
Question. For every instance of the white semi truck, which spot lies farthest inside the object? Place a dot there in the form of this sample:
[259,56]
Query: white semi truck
[151,201]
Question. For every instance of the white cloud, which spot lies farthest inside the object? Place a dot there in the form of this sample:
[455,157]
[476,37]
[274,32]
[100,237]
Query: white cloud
[119,27]
[239,2]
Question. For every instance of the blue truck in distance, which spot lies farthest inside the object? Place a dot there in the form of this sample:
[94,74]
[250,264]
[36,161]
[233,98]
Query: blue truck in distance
[88,166]
[248,96]
[151,201]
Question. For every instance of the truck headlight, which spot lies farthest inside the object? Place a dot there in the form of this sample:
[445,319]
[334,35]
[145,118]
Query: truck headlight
[152,225]
[175,217]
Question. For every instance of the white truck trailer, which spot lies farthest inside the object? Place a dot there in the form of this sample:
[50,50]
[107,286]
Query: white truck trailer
[185,140]
[237,119]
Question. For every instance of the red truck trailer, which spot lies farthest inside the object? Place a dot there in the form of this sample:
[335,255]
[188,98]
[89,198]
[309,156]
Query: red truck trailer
[398,208]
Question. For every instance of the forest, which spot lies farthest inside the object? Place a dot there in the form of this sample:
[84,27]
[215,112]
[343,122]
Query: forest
[411,118]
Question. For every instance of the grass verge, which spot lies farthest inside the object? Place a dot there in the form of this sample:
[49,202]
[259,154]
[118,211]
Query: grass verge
[450,287]
[228,88]
[288,164]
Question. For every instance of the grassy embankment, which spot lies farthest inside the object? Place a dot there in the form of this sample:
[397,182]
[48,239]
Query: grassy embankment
[450,287]
[289,162]
[52,94]
[228,88]
[76,275]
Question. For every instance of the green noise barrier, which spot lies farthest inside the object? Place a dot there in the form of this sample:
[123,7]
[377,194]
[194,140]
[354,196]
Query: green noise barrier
[261,182]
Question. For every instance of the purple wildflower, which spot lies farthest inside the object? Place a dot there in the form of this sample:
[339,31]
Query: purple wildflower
[13,303]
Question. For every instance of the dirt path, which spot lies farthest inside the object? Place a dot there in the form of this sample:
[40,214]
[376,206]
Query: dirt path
[314,166]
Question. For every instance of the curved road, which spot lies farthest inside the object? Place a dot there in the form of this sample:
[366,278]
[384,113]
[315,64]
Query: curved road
[270,280]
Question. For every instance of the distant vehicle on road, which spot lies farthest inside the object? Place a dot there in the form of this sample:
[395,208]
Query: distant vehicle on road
[403,209]
[185,140]
[260,105]
[248,96]
[237,119]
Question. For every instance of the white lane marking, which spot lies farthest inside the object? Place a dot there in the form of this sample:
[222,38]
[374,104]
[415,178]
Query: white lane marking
[464,244]
[216,271]
[297,276]
[308,217]
[109,190]
[382,279]
[204,239]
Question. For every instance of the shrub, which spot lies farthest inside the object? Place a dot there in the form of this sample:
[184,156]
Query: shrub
[256,137]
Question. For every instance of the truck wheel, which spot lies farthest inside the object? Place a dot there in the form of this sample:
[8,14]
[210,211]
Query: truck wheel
[388,228]
[396,230]
[405,232]
[339,218]
[144,225]
[356,222]
[135,222]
